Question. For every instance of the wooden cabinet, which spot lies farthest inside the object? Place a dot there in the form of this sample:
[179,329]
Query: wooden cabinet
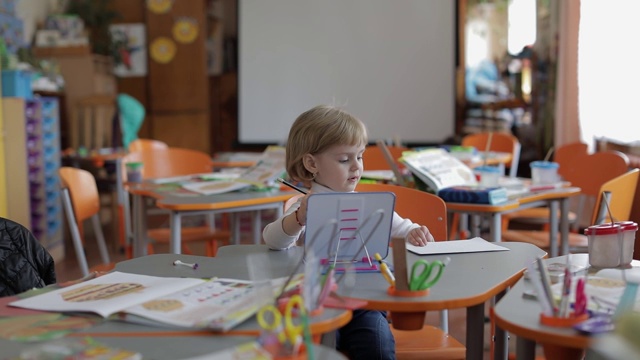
[179,87]
[175,91]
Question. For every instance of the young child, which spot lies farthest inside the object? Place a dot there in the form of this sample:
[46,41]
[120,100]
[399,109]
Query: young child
[324,152]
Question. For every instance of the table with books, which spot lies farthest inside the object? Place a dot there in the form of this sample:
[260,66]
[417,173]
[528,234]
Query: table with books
[249,190]
[191,299]
[180,203]
[456,183]
[557,199]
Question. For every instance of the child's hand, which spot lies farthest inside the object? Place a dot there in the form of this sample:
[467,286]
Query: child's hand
[419,236]
[302,210]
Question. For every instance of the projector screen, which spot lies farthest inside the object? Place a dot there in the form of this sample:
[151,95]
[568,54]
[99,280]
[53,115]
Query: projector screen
[389,63]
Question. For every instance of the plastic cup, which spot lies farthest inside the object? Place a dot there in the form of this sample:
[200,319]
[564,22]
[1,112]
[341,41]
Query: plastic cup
[489,176]
[544,172]
[134,171]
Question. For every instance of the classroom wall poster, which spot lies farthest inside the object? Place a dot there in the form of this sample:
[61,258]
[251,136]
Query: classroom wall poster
[130,49]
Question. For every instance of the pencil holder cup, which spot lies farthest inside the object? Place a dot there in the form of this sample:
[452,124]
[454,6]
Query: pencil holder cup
[611,244]
[407,293]
[407,320]
[569,321]
[544,172]
[277,353]
[134,171]
[489,176]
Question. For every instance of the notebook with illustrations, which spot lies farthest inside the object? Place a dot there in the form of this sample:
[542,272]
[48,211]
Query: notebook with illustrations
[349,228]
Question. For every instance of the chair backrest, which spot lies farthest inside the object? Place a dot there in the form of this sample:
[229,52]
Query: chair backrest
[81,201]
[93,122]
[567,156]
[83,191]
[419,206]
[620,192]
[374,158]
[146,144]
[590,172]
[158,163]
[501,142]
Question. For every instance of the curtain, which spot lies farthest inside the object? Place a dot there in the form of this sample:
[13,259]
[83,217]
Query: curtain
[567,123]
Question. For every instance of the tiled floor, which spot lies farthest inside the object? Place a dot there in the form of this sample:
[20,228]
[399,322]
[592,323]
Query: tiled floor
[67,269]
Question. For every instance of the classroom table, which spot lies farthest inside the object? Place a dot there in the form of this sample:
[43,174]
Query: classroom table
[159,342]
[163,345]
[521,317]
[552,198]
[183,203]
[468,282]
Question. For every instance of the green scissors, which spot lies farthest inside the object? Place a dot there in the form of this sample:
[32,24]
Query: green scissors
[421,271]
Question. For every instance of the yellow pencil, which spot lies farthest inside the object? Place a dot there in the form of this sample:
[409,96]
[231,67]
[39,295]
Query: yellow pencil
[384,270]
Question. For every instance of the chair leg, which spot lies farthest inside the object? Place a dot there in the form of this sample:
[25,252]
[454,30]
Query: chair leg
[212,248]
[459,227]
[75,232]
[186,250]
[102,246]
[455,223]
[444,320]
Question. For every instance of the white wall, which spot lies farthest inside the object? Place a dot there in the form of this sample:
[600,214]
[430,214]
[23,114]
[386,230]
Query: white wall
[389,63]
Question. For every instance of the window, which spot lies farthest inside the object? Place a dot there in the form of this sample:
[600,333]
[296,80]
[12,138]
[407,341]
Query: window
[608,76]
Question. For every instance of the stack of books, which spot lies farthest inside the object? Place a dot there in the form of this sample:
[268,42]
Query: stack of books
[474,195]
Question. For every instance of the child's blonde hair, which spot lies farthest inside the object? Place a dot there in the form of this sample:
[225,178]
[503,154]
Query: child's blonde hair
[317,129]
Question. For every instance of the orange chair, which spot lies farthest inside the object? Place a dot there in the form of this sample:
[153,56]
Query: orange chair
[423,208]
[81,201]
[579,170]
[419,206]
[620,192]
[501,142]
[169,162]
[145,144]
[374,158]
[567,156]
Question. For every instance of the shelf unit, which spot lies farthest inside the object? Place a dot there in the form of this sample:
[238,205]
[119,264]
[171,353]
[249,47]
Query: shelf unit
[32,158]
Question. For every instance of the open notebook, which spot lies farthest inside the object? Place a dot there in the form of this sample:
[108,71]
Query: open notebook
[217,304]
[269,167]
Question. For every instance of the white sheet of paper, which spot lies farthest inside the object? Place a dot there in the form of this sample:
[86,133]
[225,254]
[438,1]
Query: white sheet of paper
[456,246]
[378,174]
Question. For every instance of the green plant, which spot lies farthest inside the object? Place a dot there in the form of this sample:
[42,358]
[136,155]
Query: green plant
[97,16]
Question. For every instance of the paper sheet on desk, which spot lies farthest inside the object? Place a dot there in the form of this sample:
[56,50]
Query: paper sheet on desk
[215,187]
[197,177]
[378,175]
[455,246]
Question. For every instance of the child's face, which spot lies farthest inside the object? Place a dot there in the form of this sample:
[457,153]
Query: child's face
[339,167]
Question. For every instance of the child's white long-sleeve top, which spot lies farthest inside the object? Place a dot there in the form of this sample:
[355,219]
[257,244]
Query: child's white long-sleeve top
[275,237]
